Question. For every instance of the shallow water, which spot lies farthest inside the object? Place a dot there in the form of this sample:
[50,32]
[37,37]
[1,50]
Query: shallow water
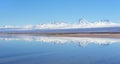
[59,50]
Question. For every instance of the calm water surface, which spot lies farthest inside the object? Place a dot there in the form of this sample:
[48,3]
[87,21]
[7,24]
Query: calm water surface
[59,50]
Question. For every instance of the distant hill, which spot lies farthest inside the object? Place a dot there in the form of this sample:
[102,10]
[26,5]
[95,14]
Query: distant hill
[73,30]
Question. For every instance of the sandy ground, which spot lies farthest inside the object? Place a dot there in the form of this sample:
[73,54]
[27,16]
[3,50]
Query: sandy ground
[90,35]
[99,35]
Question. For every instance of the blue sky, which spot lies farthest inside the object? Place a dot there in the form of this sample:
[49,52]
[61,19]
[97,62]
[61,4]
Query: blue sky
[24,12]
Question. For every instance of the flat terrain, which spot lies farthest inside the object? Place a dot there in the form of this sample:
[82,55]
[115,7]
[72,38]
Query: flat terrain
[90,35]
[86,34]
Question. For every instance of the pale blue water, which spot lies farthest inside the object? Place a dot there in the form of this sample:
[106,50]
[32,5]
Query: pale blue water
[14,50]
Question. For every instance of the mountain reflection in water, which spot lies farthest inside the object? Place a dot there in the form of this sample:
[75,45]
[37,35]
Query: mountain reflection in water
[58,50]
[82,41]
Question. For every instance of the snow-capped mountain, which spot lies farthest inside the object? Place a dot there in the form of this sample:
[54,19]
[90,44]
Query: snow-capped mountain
[82,26]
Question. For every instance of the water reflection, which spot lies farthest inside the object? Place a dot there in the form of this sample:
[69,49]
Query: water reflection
[83,41]
[41,50]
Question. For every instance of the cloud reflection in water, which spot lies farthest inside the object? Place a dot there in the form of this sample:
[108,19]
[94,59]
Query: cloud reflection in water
[83,41]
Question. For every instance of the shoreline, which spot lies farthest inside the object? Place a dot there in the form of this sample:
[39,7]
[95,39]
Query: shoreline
[92,34]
